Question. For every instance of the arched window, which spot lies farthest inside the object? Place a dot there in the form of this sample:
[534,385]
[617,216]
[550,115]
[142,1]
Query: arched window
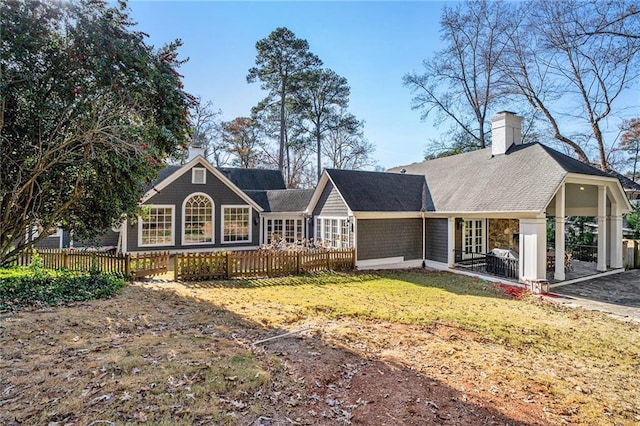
[197,220]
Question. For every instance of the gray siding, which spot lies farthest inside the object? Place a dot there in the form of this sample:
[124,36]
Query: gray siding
[176,193]
[110,238]
[330,203]
[380,238]
[436,236]
[51,242]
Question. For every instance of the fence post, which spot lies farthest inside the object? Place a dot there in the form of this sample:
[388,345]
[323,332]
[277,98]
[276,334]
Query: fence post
[327,255]
[268,263]
[636,254]
[298,261]
[127,265]
[177,260]
[65,259]
[228,271]
[353,259]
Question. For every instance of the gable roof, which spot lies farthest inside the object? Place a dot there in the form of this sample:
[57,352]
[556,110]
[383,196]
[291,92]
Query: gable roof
[525,179]
[364,191]
[282,200]
[254,179]
[170,173]
[629,185]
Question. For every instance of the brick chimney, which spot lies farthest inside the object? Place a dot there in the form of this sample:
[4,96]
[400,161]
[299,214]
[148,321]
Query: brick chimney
[506,130]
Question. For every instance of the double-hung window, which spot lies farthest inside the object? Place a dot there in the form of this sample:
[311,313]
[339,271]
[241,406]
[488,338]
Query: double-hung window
[236,224]
[288,229]
[155,227]
[333,232]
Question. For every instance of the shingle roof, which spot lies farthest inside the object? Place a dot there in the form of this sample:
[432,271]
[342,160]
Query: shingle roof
[627,184]
[162,175]
[282,200]
[525,179]
[381,192]
[254,179]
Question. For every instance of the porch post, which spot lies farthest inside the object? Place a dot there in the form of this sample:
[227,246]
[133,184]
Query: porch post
[451,242]
[560,206]
[602,228]
[615,239]
[533,249]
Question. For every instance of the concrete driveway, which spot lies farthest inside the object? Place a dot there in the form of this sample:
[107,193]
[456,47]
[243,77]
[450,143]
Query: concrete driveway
[617,294]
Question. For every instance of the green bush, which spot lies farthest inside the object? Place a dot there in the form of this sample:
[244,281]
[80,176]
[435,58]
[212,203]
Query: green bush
[37,286]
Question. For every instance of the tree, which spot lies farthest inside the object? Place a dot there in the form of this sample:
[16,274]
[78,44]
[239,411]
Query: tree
[630,143]
[320,93]
[461,83]
[345,146]
[240,136]
[281,60]
[567,70]
[633,219]
[267,118]
[88,114]
[207,132]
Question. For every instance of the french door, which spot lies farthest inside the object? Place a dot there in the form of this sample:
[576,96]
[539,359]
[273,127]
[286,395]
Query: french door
[473,237]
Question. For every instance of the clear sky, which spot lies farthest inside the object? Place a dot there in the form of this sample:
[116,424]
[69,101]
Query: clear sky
[371,44]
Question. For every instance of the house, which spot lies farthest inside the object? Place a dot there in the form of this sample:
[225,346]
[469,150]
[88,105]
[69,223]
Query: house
[448,209]
[439,212]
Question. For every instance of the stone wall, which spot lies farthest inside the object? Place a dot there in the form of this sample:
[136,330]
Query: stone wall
[503,234]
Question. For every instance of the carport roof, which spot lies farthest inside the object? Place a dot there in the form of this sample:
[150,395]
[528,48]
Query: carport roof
[524,179]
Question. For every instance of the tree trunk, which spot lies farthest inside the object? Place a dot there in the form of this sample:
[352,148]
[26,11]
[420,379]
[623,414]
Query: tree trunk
[318,142]
[283,93]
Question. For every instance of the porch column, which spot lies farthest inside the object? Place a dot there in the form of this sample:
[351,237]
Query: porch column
[533,249]
[615,238]
[451,242]
[560,204]
[602,228]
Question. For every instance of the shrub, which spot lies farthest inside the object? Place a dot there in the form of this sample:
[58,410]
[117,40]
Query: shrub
[36,286]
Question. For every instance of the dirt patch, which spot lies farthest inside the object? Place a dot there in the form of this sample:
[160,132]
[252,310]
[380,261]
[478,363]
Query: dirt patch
[151,356]
[343,386]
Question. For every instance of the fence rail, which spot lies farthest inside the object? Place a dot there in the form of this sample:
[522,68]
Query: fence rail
[129,265]
[489,263]
[225,265]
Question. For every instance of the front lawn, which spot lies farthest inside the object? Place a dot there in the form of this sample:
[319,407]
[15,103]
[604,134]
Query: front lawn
[394,347]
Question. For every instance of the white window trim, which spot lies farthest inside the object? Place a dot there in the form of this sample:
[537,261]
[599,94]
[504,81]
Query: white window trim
[213,220]
[301,226]
[173,225]
[484,229]
[231,206]
[194,173]
[319,236]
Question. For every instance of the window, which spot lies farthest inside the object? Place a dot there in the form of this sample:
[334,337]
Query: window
[236,224]
[155,228]
[473,236]
[199,175]
[288,229]
[198,220]
[333,232]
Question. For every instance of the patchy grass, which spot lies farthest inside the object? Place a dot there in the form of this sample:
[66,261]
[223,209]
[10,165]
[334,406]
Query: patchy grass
[167,353]
[587,363]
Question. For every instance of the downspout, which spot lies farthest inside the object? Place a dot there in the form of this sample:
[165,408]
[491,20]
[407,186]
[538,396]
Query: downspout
[424,243]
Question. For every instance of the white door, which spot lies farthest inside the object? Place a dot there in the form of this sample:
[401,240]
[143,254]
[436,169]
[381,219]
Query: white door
[473,237]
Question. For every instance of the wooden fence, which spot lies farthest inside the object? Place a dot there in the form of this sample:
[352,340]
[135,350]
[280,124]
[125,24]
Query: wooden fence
[130,265]
[631,254]
[225,265]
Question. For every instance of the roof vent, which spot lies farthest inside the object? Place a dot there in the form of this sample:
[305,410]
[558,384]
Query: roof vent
[403,171]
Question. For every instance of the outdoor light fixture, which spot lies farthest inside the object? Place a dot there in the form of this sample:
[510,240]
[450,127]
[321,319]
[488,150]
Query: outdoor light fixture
[582,188]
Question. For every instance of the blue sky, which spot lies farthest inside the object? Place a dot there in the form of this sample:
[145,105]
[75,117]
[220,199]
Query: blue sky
[372,44]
